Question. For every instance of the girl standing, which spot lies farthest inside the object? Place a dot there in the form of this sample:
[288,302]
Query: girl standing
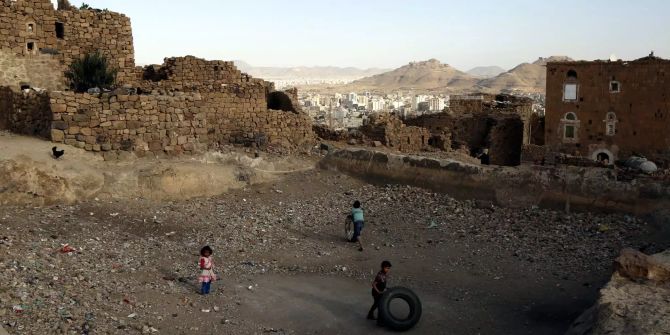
[207,275]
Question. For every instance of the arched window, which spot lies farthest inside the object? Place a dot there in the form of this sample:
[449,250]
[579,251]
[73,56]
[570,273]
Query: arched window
[571,116]
[570,127]
[610,124]
[570,86]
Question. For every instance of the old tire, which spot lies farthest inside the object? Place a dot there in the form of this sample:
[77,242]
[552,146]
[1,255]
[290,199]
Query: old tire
[395,323]
[349,228]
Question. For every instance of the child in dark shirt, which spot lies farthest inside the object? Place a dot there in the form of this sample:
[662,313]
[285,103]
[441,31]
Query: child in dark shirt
[378,287]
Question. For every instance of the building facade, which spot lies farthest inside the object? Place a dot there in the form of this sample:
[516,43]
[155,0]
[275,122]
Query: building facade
[609,110]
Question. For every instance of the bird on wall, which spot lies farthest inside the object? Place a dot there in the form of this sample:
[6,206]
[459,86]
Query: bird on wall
[57,153]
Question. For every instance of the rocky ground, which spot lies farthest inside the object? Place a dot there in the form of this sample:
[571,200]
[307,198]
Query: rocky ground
[285,267]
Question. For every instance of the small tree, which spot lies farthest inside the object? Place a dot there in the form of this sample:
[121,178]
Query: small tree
[91,71]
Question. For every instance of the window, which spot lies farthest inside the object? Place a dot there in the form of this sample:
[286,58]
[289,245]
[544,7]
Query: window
[31,27]
[572,74]
[569,132]
[570,92]
[610,124]
[615,87]
[60,30]
[570,127]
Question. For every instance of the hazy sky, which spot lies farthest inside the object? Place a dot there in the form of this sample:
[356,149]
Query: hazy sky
[390,33]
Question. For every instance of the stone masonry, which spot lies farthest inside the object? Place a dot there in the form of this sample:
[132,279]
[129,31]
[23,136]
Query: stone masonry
[174,124]
[392,132]
[33,29]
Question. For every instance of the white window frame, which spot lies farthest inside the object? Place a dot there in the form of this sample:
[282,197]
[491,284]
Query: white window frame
[565,91]
[568,123]
[610,123]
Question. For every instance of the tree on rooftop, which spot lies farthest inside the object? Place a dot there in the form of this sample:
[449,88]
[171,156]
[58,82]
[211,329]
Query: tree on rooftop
[91,71]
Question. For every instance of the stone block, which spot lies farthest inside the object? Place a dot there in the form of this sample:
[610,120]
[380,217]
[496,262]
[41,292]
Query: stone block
[57,135]
[60,125]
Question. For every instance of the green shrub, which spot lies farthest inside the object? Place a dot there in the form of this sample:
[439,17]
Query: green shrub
[91,71]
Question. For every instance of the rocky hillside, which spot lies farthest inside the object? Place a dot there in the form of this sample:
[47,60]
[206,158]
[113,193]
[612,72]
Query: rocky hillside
[433,75]
[527,77]
[430,74]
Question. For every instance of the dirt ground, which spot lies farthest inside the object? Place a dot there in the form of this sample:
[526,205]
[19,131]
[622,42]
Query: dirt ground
[285,267]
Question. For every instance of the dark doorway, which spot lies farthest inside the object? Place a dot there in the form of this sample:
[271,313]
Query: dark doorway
[280,101]
[603,158]
[60,30]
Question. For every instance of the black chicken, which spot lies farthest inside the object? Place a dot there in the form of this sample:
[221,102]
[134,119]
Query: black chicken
[57,153]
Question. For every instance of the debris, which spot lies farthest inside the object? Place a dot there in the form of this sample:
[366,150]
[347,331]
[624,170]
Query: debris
[66,249]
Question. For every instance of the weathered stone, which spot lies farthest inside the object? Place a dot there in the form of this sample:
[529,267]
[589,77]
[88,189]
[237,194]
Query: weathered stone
[57,135]
[636,265]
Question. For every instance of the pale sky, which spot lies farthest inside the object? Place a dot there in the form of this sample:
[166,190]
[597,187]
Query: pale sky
[391,33]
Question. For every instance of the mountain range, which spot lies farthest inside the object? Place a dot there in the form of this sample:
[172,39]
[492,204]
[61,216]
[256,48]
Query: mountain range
[325,73]
[431,75]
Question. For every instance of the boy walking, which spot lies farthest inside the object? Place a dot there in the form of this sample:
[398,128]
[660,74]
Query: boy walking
[357,213]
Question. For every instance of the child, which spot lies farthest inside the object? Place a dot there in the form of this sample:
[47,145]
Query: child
[378,287]
[206,270]
[357,213]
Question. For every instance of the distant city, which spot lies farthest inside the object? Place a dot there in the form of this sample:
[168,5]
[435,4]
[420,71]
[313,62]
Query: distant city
[351,110]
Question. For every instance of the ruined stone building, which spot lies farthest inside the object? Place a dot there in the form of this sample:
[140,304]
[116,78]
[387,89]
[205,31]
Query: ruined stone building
[186,104]
[501,123]
[609,109]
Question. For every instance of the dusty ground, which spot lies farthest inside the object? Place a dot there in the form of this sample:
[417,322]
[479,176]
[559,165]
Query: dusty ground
[286,269]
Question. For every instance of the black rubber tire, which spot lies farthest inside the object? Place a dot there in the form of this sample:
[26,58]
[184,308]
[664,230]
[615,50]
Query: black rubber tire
[412,300]
[349,228]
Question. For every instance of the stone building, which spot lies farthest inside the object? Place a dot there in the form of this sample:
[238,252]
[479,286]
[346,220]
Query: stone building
[38,42]
[501,123]
[185,105]
[609,110]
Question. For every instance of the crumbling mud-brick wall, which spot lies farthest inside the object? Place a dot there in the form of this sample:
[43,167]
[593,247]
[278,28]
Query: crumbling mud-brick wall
[495,104]
[172,124]
[505,140]
[31,28]
[25,112]
[534,154]
[536,129]
[502,133]
[392,132]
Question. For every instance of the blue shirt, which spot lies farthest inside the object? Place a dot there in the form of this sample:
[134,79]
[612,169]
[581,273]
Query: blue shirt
[357,213]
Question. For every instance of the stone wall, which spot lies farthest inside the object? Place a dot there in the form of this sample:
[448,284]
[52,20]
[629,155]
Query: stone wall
[41,71]
[192,74]
[173,124]
[25,112]
[392,132]
[589,189]
[31,28]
